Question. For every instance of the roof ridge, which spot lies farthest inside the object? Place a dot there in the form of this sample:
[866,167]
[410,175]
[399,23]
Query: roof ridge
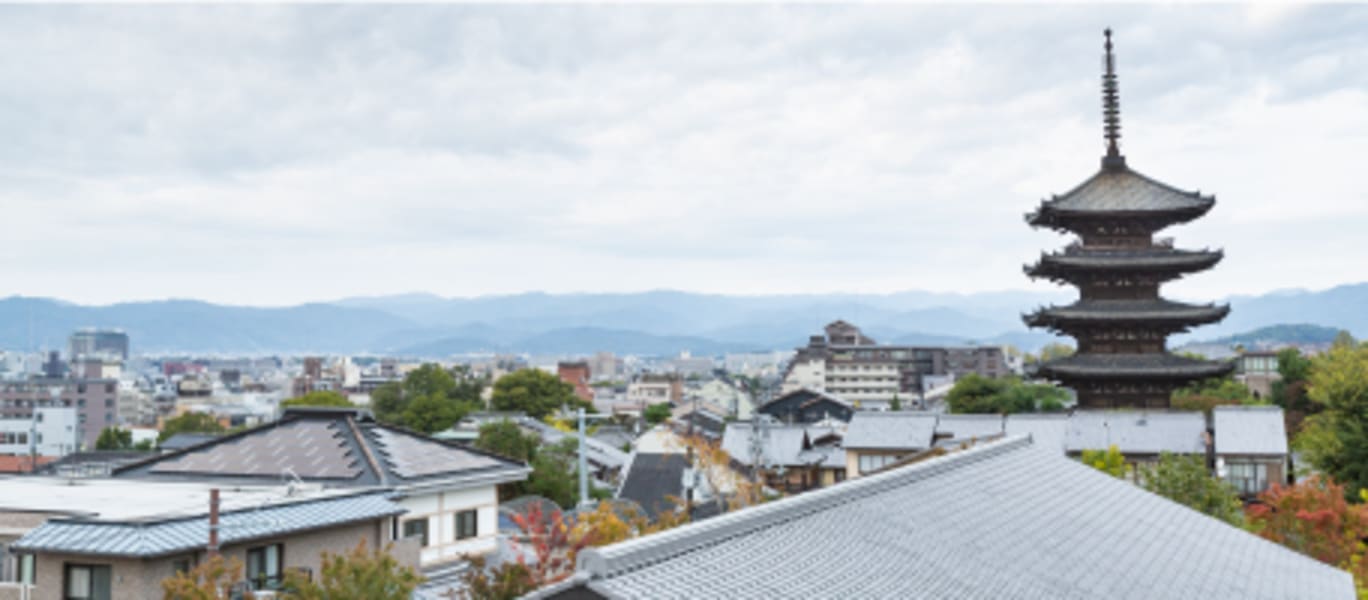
[635,553]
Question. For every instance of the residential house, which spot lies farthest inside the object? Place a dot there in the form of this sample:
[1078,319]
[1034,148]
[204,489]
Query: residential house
[792,457]
[1257,371]
[807,406]
[447,489]
[651,389]
[1250,447]
[1141,436]
[998,520]
[108,539]
[877,439]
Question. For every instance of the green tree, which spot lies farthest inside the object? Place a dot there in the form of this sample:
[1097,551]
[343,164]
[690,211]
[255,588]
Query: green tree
[114,438]
[1344,339]
[428,399]
[1109,461]
[323,398]
[1053,350]
[507,439]
[1335,441]
[657,413]
[191,422]
[1185,479]
[359,573]
[1209,393]
[974,393]
[895,403]
[1289,391]
[554,475]
[430,414]
[534,392]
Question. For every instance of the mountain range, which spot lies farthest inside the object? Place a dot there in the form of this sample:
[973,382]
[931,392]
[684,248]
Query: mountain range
[645,323]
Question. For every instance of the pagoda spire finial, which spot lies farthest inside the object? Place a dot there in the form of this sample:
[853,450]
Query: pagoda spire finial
[1111,108]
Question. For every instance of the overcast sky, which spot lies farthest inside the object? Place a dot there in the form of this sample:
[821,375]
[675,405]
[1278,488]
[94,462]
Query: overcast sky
[267,155]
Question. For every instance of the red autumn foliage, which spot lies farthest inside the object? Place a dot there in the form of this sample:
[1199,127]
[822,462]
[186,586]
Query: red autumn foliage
[553,548]
[1313,517]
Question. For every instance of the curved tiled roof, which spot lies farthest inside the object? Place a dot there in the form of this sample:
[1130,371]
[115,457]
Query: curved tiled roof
[1153,311]
[1151,259]
[1121,191]
[1132,366]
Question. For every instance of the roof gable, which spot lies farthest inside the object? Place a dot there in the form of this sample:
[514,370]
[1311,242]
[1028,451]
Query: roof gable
[873,430]
[1258,430]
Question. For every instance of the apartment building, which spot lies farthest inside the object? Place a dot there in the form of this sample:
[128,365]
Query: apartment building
[46,432]
[845,362]
[95,401]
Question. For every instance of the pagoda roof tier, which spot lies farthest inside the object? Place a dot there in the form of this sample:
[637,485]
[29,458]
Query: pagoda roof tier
[1132,366]
[1118,192]
[1149,312]
[1153,259]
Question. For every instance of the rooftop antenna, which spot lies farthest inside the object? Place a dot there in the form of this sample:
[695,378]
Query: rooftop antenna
[1111,108]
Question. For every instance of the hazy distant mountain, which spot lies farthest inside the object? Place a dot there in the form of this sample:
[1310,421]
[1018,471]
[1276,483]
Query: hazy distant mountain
[193,326]
[657,322]
[1280,334]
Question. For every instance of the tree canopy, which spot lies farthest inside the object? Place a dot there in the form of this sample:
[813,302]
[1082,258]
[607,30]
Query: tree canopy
[507,439]
[657,413]
[1335,440]
[428,399]
[975,393]
[1109,461]
[1209,393]
[359,573]
[114,438]
[1314,518]
[1186,480]
[191,422]
[534,392]
[322,398]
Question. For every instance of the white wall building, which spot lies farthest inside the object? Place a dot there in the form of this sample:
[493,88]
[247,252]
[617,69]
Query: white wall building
[49,432]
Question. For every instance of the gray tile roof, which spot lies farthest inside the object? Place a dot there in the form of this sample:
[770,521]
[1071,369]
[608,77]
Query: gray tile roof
[650,478]
[890,430]
[334,447]
[158,538]
[1047,430]
[1124,190]
[782,443]
[1133,365]
[963,427]
[596,451]
[1137,432]
[995,521]
[1250,430]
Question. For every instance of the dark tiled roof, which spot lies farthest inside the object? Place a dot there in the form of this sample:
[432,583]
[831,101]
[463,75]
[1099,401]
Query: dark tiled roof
[332,447]
[181,441]
[1155,259]
[652,477]
[1122,192]
[1088,311]
[998,520]
[1132,366]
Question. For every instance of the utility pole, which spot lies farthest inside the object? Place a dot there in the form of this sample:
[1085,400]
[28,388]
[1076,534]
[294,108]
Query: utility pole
[583,462]
[213,522]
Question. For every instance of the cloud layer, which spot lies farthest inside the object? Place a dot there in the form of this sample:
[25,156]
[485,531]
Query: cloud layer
[265,155]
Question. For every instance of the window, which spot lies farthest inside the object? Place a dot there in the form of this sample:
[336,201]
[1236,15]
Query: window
[467,524]
[26,569]
[1248,478]
[263,567]
[416,527]
[87,582]
[875,462]
[180,565]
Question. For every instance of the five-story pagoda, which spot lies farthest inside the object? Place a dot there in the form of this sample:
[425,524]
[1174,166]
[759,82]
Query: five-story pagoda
[1120,320]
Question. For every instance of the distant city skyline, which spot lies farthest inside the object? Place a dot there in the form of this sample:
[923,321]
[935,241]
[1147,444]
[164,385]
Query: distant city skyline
[271,156]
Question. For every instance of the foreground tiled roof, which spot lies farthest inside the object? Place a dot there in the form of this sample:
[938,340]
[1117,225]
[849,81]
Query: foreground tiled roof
[158,538]
[1256,430]
[996,521]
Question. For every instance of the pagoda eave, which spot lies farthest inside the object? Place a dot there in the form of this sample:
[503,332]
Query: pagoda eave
[1131,367]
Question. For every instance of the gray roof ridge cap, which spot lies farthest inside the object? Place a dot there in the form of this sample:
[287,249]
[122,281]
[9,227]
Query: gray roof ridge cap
[636,553]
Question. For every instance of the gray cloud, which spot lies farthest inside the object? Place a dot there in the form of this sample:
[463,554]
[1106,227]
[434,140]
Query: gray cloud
[279,154]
